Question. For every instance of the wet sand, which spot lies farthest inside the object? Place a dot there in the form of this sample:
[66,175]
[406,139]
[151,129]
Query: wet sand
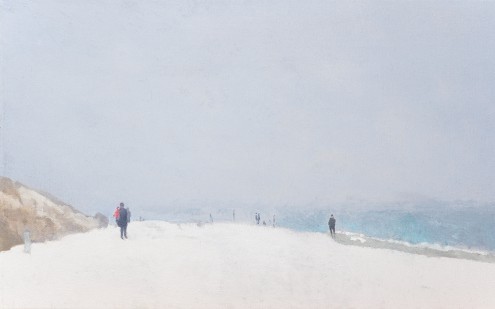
[364,241]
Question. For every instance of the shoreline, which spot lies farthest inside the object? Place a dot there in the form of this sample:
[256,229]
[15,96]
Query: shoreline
[359,240]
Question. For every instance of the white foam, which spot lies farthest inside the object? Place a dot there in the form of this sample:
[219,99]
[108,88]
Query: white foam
[400,244]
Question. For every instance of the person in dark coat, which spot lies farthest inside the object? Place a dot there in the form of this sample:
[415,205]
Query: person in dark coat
[123,220]
[128,215]
[331,225]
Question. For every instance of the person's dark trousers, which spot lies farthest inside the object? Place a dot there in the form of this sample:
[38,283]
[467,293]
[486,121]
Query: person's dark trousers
[123,231]
[332,231]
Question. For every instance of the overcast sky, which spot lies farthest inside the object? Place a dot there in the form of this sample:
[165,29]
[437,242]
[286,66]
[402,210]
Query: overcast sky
[163,103]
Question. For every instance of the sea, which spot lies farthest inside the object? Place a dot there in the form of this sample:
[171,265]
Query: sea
[471,228]
[464,226]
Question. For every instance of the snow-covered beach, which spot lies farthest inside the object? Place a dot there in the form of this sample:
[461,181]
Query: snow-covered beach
[379,113]
[222,265]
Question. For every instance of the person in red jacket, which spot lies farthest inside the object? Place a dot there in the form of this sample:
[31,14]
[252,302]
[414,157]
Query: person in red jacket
[116,214]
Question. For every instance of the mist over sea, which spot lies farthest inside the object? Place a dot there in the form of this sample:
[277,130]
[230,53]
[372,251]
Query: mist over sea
[461,225]
[465,227]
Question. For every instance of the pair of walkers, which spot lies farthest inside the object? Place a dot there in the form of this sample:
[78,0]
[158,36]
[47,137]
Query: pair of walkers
[122,217]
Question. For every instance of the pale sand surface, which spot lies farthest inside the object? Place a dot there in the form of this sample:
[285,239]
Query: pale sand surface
[165,265]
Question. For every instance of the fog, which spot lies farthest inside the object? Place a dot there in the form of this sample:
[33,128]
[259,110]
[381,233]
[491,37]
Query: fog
[245,103]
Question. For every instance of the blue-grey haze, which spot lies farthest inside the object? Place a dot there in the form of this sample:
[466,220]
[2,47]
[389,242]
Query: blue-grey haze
[248,103]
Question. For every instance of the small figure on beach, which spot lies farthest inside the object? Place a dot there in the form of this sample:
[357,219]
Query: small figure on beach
[331,226]
[122,221]
[211,219]
[257,217]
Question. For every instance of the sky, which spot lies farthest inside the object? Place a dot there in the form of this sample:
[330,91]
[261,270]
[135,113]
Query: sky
[238,103]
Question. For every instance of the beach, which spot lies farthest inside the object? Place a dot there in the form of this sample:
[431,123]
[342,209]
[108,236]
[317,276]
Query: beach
[226,265]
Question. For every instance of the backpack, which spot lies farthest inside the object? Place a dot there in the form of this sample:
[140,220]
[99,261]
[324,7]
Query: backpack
[123,216]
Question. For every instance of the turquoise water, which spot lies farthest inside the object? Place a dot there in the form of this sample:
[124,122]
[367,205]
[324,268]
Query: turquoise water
[438,224]
[471,228]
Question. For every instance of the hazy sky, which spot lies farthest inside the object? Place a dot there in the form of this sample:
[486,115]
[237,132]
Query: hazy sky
[164,103]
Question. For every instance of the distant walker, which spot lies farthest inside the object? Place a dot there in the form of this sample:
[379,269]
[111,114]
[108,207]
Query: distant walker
[122,220]
[257,218]
[331,225]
